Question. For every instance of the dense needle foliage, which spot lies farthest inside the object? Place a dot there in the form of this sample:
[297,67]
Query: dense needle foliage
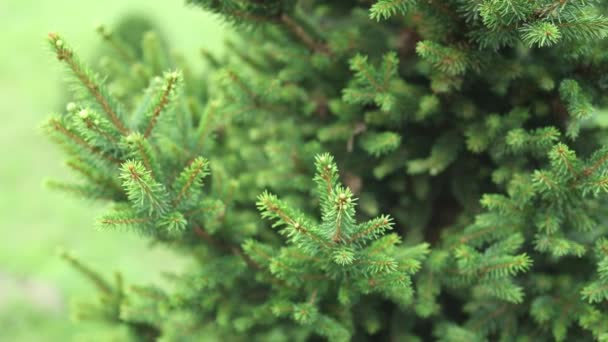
[433,170]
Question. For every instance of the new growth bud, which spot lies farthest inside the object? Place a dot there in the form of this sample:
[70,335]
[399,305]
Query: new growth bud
[71,107]
[84,113]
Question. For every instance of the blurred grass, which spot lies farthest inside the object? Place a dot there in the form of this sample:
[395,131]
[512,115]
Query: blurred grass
[35,285]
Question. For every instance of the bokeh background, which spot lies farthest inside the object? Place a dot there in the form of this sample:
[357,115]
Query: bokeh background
[36,286]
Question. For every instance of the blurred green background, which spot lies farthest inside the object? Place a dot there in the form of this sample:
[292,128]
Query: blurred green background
[36,286]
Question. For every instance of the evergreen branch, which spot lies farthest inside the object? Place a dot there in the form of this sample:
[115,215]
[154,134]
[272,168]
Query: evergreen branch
[378,144]
[197,170]
[90,82]
[550,8]
[313,296]
[591,169]
[540,34]
[95,278]
[244,88]
[250,262]
[379,224]
[584,27]
[124,216]
[475,234]
[92,123]
[267,204]
[168,88]
[406,121]
[359,64]
[337,236]
[563,158]
[380,266]
[126,53]
[233,11]
[297,30]
[141,151]
[142,189]
[210,58]
[125,221]
[379,283]
[201,210]
[275,262]
[249,245]
[56,125]
[328,176]
[577,104]
[594,293]
[383,244]
[390,65]
[205,125]
[241,53]
[83,191]
[144,157]
[450,60]
[520,263]
[384,9]
[96,129]
[90,174]
[603,248]
[202,233]
[224,247]
[546,179]
[497,313]
[303,257]
[153,293]
[566,162]
[137,147]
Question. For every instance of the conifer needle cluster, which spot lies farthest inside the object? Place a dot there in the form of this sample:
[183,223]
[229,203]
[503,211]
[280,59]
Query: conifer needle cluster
[470,200]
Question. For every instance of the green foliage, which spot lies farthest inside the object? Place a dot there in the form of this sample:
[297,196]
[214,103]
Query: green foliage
[447,60]
[384,9]
[372,85]
[246,11]
[355,258]
[468,122]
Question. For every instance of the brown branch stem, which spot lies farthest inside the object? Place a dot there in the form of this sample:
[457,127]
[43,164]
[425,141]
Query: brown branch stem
[297,30]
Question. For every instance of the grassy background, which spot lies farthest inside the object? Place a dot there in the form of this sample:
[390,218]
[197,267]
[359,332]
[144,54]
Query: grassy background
[35,285]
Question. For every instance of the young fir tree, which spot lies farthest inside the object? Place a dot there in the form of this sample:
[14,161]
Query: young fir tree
[474,124]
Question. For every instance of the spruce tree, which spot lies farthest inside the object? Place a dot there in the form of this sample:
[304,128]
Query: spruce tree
[396,170]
